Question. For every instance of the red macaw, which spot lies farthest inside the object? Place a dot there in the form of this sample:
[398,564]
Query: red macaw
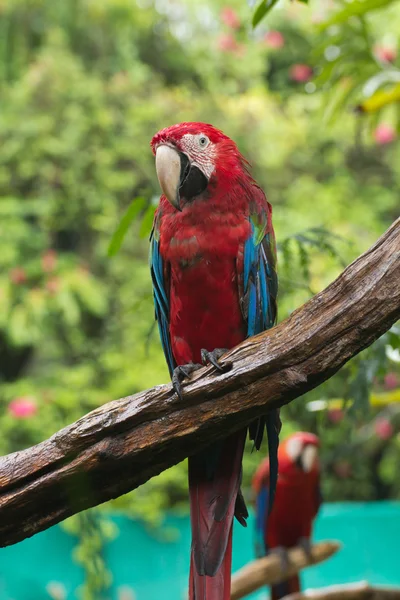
[297,500]
[214,280]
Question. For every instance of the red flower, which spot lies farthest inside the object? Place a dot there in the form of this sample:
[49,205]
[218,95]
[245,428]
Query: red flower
[385,53]
[227,43]
[384,134]
[229,17]
[300,73]
[23,407]
[391,381]
[383,428]
[18,275]
[49,260]
[274,39]
[335,415]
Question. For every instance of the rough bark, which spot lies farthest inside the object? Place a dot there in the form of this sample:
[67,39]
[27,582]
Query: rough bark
[268,570]
[121,445]
[353,591]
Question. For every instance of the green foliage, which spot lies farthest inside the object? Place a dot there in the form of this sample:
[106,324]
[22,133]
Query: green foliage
[133,211]
[353,54]
[296,253]
[262,9]
[93,531]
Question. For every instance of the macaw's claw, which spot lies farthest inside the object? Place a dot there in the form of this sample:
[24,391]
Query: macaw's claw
[213,358]
[180,373]
[305,545]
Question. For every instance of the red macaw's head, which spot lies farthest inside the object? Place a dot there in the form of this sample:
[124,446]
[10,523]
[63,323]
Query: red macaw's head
[298,458]
[298,454]
[191,158]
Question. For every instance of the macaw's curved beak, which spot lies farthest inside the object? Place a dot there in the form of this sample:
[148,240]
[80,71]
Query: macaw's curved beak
[178,178]
[308,458]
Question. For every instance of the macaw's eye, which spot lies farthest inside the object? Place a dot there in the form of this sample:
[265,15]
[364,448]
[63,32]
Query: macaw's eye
[203,141]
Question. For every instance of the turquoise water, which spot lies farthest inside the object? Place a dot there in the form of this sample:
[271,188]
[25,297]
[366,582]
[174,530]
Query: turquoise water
[152,568]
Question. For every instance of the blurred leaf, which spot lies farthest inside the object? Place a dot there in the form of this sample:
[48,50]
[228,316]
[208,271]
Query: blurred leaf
[147,222]
[18,327]
[356,8]
[68,307]
[131,213]
[262,9]
[338,99]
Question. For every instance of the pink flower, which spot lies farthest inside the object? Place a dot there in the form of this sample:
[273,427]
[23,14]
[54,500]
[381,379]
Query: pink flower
[23,407]
[300,73]
[18,275]
[383,428]
[384,134]
[343,469]
[229,17]
[391,381]
[274,39]
[335,415]
[227,43]
[49,261]
[385,53]
[53,285]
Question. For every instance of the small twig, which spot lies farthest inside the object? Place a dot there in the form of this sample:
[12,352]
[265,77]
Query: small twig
[268,570]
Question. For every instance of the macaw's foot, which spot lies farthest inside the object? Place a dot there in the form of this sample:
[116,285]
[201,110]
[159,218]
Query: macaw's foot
[184,371]
[282,553]
[213,358]
[181,373]
[305,544]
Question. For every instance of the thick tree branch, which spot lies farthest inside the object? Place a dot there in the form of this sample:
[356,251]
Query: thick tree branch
[269,570]
[122,444]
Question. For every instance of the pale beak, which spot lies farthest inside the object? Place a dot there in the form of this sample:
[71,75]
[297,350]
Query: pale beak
[168,167]
[309,458]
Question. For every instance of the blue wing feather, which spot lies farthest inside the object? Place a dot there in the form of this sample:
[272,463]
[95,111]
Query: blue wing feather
[262,510]
[264,297]
[252,312]
[259,294]
[161,303]
[262,502]
[259,283]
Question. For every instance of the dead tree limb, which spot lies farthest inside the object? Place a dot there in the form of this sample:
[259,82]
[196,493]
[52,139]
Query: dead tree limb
[353,591]
[268,570]
[122,444]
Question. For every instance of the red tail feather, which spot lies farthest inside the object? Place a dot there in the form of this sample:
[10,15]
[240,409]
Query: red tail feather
[202,587]
[214,483]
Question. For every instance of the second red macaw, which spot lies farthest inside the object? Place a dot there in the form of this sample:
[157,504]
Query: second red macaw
[215,283]
[297,500]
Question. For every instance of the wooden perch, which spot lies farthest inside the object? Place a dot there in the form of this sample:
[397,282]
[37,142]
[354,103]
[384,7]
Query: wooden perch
[268,570]
[122,444]
[353,591]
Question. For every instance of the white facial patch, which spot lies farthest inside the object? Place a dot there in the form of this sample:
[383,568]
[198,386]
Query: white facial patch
[309,458]
[203,158]
[294,447]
